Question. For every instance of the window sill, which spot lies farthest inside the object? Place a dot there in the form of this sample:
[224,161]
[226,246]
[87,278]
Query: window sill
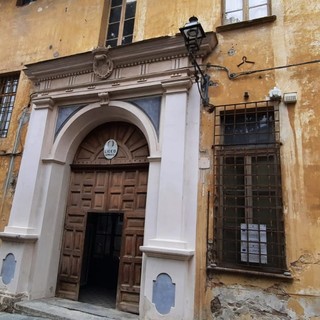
[284,276]
[245,24]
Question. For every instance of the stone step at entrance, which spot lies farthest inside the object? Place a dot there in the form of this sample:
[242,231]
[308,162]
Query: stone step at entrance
[62,309]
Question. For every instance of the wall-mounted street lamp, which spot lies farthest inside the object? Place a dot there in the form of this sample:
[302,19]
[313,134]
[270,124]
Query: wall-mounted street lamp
[193,35]
[275,94]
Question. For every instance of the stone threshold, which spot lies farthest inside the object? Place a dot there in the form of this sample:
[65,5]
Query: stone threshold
[63,309]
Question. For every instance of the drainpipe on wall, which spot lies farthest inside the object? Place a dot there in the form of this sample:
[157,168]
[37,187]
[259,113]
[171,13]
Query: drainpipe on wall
[24,118]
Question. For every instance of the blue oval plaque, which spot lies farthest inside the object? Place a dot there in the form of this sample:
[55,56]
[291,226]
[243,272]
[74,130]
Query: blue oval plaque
[110,149]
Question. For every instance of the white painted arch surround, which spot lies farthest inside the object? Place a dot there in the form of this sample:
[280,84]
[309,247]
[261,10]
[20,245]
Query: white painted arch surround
[35,227]
[91,116]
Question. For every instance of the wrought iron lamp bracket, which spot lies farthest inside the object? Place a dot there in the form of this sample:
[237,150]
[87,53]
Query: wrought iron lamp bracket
[193,34]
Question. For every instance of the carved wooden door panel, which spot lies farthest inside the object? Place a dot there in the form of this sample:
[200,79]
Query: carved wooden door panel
[134,189]
[111,191]
[73,238]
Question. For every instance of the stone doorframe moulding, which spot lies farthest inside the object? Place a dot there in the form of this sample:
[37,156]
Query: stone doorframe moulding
[33,235]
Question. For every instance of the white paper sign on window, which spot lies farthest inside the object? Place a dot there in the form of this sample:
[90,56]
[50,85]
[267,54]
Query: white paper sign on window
[253,243]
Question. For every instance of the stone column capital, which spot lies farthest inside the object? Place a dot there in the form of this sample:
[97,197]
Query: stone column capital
[43,102]
[175,86]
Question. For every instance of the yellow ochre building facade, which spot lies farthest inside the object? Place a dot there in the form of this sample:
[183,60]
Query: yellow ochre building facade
[180,179]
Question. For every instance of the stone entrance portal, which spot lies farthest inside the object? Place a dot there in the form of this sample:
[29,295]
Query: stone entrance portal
[105,214]
[151,106]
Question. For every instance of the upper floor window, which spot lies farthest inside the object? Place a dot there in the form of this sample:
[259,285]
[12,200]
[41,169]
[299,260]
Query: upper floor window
[8,89]
[242,10]
[21,3]
[248,225]
[121,22]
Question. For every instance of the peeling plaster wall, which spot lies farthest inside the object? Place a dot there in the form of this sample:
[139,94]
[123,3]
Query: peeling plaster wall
[47,29]
[239,302]
[234,297]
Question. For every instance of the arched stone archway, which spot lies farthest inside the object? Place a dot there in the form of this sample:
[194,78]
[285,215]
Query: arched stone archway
[104,222]
[45,169]
[91,116]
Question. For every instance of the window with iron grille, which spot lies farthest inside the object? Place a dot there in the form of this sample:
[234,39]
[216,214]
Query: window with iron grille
[121,22]
[8,89]
[248,224]
[242,10]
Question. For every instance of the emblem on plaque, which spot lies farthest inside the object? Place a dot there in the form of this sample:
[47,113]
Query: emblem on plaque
[110,149]
[102,64]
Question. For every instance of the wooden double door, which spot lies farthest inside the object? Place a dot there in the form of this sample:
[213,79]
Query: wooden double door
[116,195]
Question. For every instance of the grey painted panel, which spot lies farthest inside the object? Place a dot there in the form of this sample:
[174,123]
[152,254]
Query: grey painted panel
[8,268]
[64,114]
[151,106]
[163,294]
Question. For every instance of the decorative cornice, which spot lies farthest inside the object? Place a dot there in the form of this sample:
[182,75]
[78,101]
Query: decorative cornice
[136,63]
[158,49]
[62,75]
[137,53]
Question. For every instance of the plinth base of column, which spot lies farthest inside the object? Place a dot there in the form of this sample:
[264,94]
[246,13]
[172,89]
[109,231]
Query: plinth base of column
[8,300]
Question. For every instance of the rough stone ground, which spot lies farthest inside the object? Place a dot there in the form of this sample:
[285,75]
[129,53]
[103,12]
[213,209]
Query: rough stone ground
[8,316]
[61,309]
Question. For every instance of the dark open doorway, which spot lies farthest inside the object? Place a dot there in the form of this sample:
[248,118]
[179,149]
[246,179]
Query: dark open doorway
[101,257]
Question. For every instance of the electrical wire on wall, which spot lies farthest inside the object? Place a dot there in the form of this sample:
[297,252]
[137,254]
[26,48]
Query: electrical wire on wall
[235,75]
